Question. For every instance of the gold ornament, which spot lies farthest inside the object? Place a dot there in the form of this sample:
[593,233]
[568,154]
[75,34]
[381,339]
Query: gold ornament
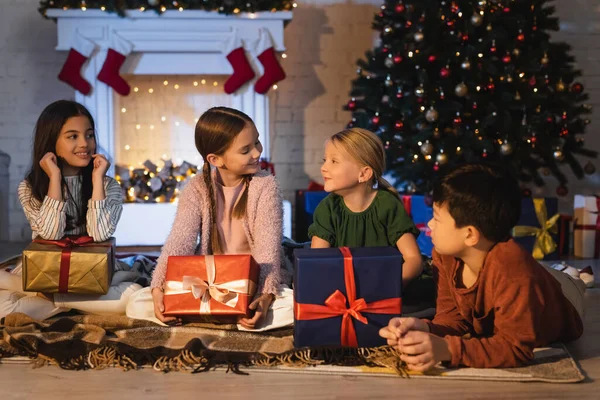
[476,20]
[441,158]
[461,90]
[419,37]
[516,52]
[427,148]
[545,60]
[558,155]
[466,64]
[431,115]
[560,86]
[517,96]
[489,27]
[506,148]
[420,91]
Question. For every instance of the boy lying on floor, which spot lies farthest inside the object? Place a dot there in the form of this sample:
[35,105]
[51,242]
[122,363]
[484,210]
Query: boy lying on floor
[495,302]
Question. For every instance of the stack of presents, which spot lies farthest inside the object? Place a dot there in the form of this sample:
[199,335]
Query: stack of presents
[342,296]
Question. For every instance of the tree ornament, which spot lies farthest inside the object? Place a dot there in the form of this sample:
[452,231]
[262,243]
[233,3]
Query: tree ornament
[558,155]
[461,90]
[589,168]
[399,125]
[397,59]
[352,105]
[560,86]
[385,99]
[427,148]
[153,2]
[577,88]
[476,19]
[532,81]
[489,27]
[516,52]
[545,60]
[400,8]
[491,86]
[526,192]
[420,91]
[506,148]
[399,93]
[564,132]
[445,72]
[411,187]
[441,158]
[562,190]
[517,96]
[389,62]
[431,115]
[375,119]
[431,58]
[387,30]
[506,59]
[466,64]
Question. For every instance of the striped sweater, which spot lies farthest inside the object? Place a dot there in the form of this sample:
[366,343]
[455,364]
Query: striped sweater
[48,219]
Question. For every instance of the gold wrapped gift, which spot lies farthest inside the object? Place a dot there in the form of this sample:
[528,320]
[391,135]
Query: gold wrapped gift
[69,265]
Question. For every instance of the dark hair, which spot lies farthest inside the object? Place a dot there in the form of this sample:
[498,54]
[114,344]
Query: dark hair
[484,196]
[215,131]
[47,131]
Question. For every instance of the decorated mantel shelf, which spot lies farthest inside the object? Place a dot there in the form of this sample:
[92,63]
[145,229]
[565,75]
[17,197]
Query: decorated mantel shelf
[190,42]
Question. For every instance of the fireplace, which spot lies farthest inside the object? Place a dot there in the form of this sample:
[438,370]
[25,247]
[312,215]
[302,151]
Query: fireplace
[176,71]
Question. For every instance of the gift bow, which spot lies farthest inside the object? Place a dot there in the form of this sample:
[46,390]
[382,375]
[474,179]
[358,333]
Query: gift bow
[544,244]
[226,293]
[335,305]
[67,243]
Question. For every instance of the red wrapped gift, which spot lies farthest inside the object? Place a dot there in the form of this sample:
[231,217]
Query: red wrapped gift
[210,285]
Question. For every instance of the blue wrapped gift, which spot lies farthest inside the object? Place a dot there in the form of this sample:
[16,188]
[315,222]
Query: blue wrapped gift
[342,296]
[306,203]
[538,228]
[421,214]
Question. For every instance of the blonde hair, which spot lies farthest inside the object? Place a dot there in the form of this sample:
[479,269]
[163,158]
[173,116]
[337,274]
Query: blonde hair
[366,149]
[215,131]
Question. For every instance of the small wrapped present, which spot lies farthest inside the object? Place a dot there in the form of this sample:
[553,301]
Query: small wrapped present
[69,265]
[306,203]
[342,297]
[541,229]
[421,213]
[221,285]
[586,230]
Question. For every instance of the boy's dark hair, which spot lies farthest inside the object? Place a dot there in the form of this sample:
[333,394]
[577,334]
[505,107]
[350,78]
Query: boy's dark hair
[484,196]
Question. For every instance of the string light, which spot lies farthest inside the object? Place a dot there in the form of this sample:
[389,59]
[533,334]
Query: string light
[215,83]
[150,90]
[176,86]
[195,83]
[136,89]
[163,118]
[138,127]
[127,147]
[165,83]
[275,87]
[163,9]
[203,81]
[123,110]
[283,55]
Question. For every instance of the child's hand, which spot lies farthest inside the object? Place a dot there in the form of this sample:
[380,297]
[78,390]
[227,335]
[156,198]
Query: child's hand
[261,304]
[101,165]
[422,351]
[159,306]
[398,327]
[50,166]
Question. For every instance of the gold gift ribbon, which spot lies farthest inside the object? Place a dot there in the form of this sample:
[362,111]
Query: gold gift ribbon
[544,244]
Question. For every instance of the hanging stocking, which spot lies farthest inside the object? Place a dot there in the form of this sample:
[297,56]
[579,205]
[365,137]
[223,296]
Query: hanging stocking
[81,50]
[273,72]
[109,74]
[242,71]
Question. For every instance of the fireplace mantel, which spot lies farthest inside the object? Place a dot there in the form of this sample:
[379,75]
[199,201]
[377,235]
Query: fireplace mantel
[173,43]
[189,42]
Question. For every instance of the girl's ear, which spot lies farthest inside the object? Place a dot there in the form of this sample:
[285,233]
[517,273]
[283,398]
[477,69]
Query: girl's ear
[215,160]
[365,174]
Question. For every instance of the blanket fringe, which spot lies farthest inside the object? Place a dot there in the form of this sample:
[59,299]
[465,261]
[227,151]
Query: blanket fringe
[185,361]
[384,356]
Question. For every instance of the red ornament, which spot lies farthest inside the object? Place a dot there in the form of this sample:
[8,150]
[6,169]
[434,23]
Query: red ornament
[506,9]
[550,120]
[562,190]
[436,167]
[532,81]
[534,28]
[491,86]
[564,116]
[485,154]
[465,37]
[381,15]
[408,24]
[533,139]
[399,125]
[564,132]
[521,37]
[474,106]
[432,58]
[506,59]
[420,100]
[493,49]
[400,8]
[457,120]
[351,105]
[399,95]
[375,120]
[450,23]
[444,72]
[398,59]
[577,88]
[385,50]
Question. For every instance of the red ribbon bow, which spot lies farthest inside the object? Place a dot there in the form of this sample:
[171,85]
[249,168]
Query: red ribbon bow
[593,228]
[336,305]
[264,164]
[67,244]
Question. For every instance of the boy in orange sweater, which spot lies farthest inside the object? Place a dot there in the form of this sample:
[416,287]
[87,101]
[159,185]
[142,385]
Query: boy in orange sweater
[495,302]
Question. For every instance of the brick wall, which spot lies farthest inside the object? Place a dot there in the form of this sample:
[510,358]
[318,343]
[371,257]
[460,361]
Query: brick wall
[323,42]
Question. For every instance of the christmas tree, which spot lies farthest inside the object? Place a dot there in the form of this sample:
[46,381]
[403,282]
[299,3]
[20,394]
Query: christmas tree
[465,81]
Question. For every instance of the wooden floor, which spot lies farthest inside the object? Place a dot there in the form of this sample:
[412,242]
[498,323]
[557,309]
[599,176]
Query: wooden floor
[23,382]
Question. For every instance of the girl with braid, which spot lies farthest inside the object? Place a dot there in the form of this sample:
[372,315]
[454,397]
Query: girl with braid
[233,206]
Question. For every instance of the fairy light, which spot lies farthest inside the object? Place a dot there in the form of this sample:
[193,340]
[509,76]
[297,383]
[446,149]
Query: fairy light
[138,127]
[480,55]
[251,15]
[275,87]
[458,54]
[103,8]
[163,118]
[295,5]
[164,156]
[236,10]
[131,169]
[163,9]
[215,83]
[123,110]
[420,143]
[136,89]
[203,81]
[127,147]
[195,83]
[151,127]
[142,8]
[150,90]
[410,54]
[176,86]
[283,55]
[522,74]
[176,123]
[165,83]
[180,9]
